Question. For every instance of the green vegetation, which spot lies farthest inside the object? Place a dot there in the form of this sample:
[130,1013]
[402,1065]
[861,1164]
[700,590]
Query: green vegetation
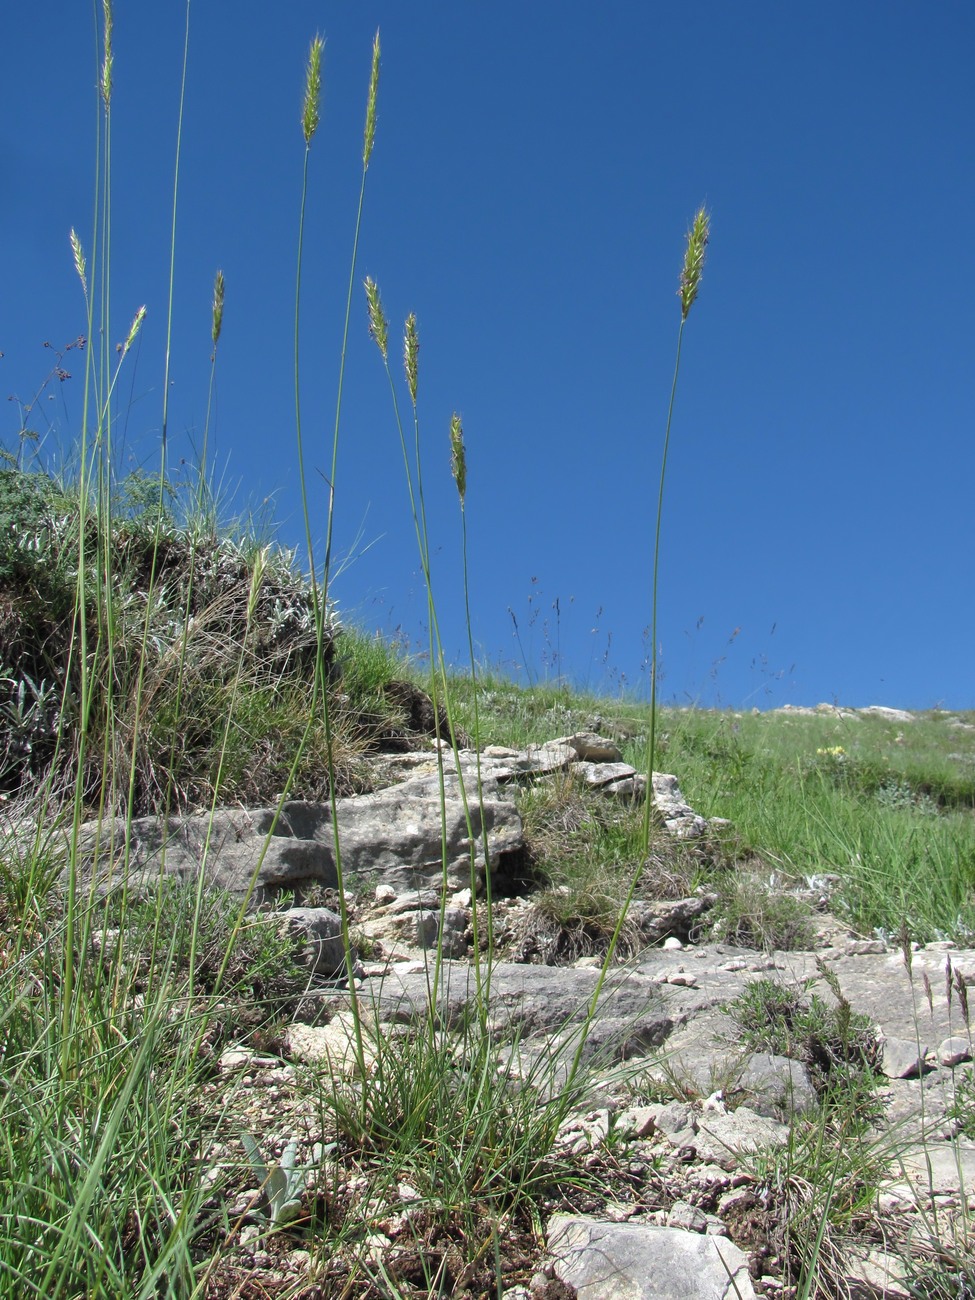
[838,1046]
[154,658]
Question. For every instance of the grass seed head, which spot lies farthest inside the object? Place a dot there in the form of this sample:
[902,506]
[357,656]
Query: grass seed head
[133,330]
[313,90]
[907,952]
[109,58]
[370,133]
[79,260]
[217,308]
[458,458]
[949,982]
[928,991]
[378,325]
[690,276]
[962,990]
[411,353]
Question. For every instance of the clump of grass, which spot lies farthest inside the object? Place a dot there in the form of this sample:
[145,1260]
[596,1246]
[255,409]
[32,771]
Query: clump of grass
[812,815]
[838,1046]
[824,1183]
[199,634]
[751,912]
[471,1140]
[948,1275]
[583,851]
[821,1190]
[257,966]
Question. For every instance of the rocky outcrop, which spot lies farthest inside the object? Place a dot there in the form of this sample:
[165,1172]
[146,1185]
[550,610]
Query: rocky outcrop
[410,835]
[391,837]
[664,1083]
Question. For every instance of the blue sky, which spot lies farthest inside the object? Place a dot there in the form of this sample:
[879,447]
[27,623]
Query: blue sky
[535,171]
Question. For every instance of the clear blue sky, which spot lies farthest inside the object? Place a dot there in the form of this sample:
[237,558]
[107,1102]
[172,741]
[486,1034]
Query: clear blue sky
[535,170]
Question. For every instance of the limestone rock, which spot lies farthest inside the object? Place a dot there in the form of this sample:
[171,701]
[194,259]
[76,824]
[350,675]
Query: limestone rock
[540,1007]
[724,1138]
[777,1086]
[670,807]
[554,756]
[940,1168]
[390,837]
[953,1051]
[888,714]
[317,935]
[657,919]
[636,1261]
[604,774]
[904,1059]
[687,1217]
[593,748]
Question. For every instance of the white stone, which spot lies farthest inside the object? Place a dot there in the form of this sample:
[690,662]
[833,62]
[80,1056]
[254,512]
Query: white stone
[953,1051]
[888,714]
[636,1261]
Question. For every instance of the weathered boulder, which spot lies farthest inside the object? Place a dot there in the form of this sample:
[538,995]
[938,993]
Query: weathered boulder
[638,1261]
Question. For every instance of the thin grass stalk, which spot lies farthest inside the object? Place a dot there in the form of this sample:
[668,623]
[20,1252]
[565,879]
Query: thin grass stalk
[368,143]
[257,578]
[810,1267]
[310,121]
[521,648]
[320,597]
[95,384]
[411,361]
[321,608]
[140,679]
[690,279]
[105,210]
[172,250]
[205,503]
[458,463]
[205,511]
[379,329]
[654,649]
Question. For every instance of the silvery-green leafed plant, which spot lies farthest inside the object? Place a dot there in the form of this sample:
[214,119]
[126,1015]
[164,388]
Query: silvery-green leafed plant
[281,1185]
